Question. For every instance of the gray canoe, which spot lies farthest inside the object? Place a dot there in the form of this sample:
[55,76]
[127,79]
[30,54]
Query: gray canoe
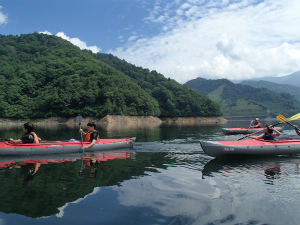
[62,147]
[251,147]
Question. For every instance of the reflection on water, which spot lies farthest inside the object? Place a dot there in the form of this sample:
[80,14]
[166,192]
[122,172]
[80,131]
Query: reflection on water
[165,179]
[271,167]
[60,177]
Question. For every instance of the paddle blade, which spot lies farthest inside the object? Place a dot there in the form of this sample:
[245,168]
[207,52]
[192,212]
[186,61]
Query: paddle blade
[295,117]
[281,118]
[285,120]
[78,119]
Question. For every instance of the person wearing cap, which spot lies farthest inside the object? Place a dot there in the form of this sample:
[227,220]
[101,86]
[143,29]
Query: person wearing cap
[256,124]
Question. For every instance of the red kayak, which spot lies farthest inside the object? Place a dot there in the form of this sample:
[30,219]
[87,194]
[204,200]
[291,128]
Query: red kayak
[251,147]
[61,147]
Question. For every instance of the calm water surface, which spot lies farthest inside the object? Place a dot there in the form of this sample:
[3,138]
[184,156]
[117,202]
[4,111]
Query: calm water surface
[165,179]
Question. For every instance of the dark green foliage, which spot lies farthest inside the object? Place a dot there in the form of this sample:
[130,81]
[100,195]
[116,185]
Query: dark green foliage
[234,97]
[43,76]
[174,99]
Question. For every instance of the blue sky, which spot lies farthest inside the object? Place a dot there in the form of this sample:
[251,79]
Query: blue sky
[182,39]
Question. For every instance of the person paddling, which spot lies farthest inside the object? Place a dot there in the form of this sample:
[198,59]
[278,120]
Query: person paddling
[28,137]
[270,133]
[296,129]
[90,136]
[256,124]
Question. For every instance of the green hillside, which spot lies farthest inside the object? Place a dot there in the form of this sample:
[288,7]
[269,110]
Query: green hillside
[43,76]
[278,88]
[239,100]
[174,99]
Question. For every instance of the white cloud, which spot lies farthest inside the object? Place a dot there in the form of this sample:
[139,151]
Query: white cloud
[3,17]
[45,32]
[78,42]
[75,41]
[239,39]
[61,209]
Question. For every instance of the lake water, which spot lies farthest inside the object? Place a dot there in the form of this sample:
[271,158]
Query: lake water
[164,179]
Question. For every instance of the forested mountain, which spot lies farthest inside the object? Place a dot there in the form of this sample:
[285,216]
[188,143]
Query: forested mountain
[239,100]
[43,76]
[278,88]
[173,98]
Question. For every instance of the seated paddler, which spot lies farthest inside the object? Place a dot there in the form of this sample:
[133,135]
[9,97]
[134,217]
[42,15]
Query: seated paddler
[28,137]
[90,136]
[256,123]
[270,133]
[296,129]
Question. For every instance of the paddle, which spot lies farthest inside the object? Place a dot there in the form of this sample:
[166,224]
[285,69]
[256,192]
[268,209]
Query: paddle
[78,120]
[294,117]
[282,119]
[297,116]
[250,124]
[4,139]
[255,132]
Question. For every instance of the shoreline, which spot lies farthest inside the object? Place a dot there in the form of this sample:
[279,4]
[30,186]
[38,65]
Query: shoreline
[117,121]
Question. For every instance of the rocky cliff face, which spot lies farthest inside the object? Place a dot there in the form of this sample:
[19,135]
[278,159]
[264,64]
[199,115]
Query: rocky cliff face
[194,121]
[127,122]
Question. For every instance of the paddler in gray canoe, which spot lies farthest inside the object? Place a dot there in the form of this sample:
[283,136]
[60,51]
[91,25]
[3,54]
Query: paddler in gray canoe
[256,123]
[90,136]
[296,129]
[270,133]
[28,137]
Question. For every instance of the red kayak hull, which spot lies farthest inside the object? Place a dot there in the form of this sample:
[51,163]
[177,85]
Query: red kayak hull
[251,147]
[61,147]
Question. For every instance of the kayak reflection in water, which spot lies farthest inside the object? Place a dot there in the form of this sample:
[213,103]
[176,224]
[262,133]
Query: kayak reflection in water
[92,163]
[272,172]
[270,133]
[296,129]
[28,137]
[29,170]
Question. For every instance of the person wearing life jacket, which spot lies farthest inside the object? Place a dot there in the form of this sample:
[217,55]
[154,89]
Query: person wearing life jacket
[28,137]
[90,136]
[270,133]
[256,123]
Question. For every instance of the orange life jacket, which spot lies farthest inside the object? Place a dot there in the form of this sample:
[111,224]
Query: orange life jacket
[87,137]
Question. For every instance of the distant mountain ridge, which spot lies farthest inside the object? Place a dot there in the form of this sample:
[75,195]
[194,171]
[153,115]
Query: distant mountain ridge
[276,87]
[292,79]
[238,100]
